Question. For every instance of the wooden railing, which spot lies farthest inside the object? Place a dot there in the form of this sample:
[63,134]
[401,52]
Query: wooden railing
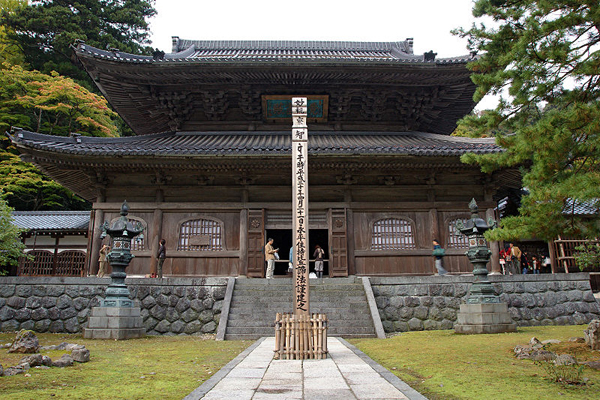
[46,263]
[300,337]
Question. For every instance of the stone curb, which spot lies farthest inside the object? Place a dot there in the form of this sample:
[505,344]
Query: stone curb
[399,384]
[211,382]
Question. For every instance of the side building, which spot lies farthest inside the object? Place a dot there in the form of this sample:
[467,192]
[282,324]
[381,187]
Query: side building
[210,168]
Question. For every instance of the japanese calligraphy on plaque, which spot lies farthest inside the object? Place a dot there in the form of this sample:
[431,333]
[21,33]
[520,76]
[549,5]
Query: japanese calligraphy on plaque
[300,203]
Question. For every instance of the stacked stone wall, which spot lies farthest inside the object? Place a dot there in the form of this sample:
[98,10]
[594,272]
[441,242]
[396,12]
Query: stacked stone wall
[424,303]
[171,306]
[188,306]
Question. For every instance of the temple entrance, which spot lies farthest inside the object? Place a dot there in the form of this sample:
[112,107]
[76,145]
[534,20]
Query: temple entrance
[283,241]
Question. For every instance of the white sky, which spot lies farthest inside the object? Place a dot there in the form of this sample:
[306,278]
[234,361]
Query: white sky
[429,22]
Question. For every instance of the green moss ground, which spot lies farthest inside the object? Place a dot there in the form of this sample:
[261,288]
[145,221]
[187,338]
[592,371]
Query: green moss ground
[163,368]
[444,365]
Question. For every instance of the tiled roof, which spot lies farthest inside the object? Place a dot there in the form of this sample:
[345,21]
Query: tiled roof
[258,143]
[577,207]
[273,51]
[52,220]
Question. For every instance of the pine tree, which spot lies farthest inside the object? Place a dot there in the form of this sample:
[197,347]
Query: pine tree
[543,58]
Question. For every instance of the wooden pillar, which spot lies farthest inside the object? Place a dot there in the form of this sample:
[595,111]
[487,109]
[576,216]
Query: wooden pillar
[435,233]
[495,261]
[157,225]
[553,260]
[96,242]
[243,270]
[300,206]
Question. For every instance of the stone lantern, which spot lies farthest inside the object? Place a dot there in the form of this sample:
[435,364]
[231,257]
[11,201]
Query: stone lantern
[482,312]
[121,232]
[117,317]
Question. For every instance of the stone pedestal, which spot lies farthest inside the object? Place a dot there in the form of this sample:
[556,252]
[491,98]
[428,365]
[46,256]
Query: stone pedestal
[115,323]
[484,318]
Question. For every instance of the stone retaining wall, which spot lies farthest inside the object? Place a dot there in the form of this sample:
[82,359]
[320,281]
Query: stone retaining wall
[170,306]
[174,306]
[432,302]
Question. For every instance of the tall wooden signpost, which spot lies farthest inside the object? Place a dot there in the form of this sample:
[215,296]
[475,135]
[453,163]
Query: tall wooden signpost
[300,335]
[300,205]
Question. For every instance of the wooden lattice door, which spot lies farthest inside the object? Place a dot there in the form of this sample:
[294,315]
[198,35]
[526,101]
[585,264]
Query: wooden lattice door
[256,243]
[338,248]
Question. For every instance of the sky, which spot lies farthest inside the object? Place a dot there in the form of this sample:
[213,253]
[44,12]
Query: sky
[428,22]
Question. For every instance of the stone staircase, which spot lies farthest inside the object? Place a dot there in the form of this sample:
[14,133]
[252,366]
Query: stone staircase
[256,301]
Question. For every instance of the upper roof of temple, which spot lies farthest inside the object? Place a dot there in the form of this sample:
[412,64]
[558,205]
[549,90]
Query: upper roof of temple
[233,85]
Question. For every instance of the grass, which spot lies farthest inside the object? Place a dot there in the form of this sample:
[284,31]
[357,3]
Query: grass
[446,366]
[167,367]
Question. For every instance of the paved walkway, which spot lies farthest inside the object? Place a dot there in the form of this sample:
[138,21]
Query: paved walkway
[347,374]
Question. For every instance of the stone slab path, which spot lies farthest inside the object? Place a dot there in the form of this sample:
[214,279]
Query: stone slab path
[347,374]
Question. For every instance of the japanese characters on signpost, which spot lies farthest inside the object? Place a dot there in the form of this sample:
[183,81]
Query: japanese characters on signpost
[300,205]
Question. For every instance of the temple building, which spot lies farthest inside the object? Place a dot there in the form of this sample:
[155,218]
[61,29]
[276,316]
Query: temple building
[210,168]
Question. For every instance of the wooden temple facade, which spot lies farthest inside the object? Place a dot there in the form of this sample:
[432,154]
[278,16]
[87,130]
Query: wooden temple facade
[210,168]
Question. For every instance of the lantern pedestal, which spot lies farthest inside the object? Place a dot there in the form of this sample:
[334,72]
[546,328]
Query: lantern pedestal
[484,318]
[117,323]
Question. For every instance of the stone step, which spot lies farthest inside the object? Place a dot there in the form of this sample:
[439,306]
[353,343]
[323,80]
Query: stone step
[266,330]
[240,323]
[256,302]
[239,336]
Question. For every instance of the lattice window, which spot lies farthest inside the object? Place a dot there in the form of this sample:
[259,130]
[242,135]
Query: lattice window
[200,235]
[138,243]
[392,234]
[456,240]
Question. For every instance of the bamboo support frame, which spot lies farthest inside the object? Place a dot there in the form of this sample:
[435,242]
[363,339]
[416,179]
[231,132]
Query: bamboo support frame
[300,337]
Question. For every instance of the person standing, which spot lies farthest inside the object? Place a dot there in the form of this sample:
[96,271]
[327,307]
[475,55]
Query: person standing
[438,253]
[270,258]
[515,257]
[103,261]
[162,254]
[318,256]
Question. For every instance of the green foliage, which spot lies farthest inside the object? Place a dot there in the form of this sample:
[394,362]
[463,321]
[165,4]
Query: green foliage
[25,188]
[52,104]
[46,29]
[10,51]
[11,247]
[545,56]
[47,104]
[587,255]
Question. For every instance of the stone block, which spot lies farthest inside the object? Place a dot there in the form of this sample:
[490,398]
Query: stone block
[484,318]
[16,302]
[7,290]
[415,324]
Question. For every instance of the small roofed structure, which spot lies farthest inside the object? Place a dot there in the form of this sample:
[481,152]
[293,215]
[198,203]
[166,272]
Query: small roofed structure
[57,240]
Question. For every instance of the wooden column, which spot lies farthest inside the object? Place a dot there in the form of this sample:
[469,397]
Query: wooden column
[496,269]
[157,224]
[300,205]
[243,269]
[435,234]
[96,232]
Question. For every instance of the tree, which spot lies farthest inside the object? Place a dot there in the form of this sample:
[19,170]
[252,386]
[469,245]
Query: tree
[52,104]
[543,58]
[48,104]
[9,49]
[11,247]
[46,29]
